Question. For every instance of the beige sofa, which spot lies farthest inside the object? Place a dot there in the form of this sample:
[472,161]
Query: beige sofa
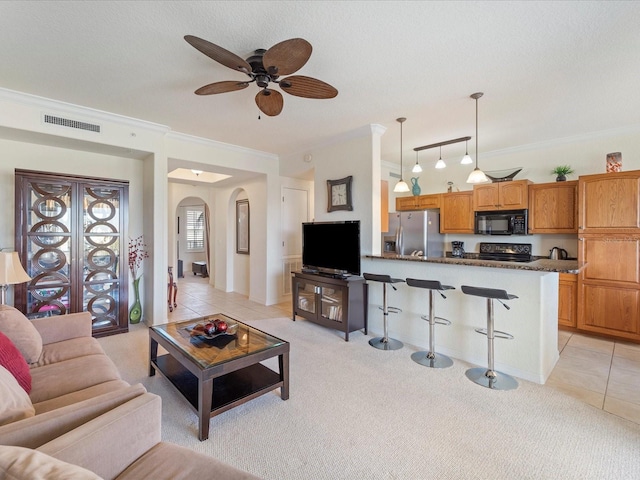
[80,415]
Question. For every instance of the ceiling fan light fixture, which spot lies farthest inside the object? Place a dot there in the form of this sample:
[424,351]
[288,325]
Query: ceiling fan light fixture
[401,186]
[477,176]
[264,67]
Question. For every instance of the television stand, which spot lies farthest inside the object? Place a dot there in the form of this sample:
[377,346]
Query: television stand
[335,302]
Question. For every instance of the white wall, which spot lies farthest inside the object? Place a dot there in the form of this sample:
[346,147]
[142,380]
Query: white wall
[356,153]
[31,156]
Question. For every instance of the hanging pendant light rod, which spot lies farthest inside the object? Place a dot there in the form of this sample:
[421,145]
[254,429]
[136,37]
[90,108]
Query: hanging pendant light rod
[440,144]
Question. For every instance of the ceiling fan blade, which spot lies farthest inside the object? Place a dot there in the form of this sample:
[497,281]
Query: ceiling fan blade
[221,87]
[307,87]
[219,54]
[288,56]
[270,102]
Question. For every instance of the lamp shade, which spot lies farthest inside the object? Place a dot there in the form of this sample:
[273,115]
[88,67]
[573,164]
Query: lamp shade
[11,271]
[477,176]
[401,187]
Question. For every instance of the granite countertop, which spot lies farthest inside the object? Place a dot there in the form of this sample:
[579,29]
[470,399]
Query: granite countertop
[540,264]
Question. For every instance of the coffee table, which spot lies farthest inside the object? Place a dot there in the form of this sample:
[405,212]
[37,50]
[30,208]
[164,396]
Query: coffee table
[219,373]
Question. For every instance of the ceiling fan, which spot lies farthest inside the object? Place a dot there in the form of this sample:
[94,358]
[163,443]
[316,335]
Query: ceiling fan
[265,68]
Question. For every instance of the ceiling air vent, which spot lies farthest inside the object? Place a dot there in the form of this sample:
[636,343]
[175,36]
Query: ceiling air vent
[65,122]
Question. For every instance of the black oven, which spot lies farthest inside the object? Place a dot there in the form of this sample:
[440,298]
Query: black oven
[502,222]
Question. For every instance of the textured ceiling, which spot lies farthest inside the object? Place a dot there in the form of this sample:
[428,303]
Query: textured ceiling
[548,69]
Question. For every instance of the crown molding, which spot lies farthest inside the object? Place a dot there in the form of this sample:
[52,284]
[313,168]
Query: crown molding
[70,109]
[184,137]
[628,130]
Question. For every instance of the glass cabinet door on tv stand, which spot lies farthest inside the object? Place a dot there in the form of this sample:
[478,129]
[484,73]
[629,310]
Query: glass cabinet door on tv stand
[338,303]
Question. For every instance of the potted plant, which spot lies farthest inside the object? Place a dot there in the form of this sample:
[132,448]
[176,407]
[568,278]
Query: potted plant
[561,172]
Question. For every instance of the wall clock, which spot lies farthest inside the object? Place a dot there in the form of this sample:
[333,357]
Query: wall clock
[339,194]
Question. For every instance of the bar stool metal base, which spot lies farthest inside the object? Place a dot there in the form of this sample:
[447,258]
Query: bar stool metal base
[386,344]
[433,360]
[497,381]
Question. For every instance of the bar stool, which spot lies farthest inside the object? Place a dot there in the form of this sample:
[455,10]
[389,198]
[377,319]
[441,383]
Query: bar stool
[431,358]
[489,377]
[385,343]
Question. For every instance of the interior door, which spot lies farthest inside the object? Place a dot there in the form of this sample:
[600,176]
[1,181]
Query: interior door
[295,211]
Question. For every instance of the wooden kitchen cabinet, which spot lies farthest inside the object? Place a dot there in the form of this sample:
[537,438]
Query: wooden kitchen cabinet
[568,300]
[608,203]
[513,195]
[553,207]
[456,212]
[418,202]
[609,249]
[609,285]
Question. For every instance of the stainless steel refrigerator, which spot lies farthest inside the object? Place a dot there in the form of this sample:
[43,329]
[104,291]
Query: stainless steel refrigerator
[413,232]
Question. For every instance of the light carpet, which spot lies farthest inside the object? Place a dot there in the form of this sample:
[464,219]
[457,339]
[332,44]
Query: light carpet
[356,412]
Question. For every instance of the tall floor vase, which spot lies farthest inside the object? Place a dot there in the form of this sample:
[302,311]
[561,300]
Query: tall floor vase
[135,313]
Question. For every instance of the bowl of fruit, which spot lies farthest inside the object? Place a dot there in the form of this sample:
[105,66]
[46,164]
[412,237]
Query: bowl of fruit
[213,328]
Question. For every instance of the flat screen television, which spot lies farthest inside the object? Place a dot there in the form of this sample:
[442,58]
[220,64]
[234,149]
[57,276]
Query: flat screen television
[331,247]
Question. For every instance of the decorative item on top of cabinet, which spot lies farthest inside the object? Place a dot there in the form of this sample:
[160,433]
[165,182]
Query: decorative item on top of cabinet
[567,299]
[512,195]
[561,172]
[420,202]
[608,203]
[553,207]
[415,189]
[456,212]
[614,162]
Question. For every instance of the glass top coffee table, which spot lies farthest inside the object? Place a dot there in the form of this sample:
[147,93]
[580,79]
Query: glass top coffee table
[218,372]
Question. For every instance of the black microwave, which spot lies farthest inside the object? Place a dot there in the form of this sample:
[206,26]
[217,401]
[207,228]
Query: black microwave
[501,222]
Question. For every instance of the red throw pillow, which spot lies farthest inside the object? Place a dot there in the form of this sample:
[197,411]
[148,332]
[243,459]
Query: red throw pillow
[12,360]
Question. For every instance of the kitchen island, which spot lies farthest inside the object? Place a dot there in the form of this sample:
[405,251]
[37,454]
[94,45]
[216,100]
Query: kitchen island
[532,318]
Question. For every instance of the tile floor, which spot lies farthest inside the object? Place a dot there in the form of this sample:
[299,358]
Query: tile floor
[603,373]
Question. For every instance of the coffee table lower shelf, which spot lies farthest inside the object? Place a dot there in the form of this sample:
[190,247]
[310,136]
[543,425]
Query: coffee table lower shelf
[229,390]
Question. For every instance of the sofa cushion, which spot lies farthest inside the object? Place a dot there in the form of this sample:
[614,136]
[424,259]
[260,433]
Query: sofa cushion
[79,396]
[15,404]
[12,360]
[61,378]
[23,463]
[166,460]
[21,332]
[68,349]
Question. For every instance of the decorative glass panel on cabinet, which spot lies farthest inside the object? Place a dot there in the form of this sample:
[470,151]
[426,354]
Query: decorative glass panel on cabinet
[69,232]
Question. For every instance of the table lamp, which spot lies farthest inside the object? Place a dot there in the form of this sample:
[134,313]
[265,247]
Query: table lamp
[11,272]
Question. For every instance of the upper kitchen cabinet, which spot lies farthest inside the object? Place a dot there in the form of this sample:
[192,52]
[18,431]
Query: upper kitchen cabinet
[456,212]
[608,202]
[553,207]
[418,202]
[513,195]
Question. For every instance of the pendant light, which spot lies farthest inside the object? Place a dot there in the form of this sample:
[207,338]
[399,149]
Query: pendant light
[401,186]
[417,168]
[477,176]
[466,160]
[440,163]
